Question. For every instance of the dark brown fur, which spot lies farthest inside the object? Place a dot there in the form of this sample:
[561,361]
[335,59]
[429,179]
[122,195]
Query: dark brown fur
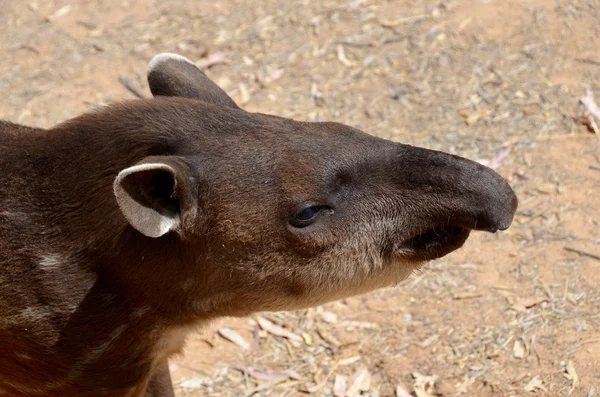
[91,306]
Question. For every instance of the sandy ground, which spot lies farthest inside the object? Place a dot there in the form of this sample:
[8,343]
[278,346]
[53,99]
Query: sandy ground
[511,314]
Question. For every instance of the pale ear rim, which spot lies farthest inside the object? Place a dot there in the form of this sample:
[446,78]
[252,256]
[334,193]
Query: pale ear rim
[151,222]
[164,57]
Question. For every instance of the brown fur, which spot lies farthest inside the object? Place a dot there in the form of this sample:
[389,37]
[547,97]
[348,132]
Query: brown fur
[90,305]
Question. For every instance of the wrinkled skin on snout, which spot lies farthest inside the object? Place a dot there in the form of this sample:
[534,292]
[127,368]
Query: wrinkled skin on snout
[122,229]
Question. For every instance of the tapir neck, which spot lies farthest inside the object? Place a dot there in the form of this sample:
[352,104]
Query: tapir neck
[69,315]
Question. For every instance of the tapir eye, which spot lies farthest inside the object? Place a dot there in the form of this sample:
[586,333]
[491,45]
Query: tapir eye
[308,215]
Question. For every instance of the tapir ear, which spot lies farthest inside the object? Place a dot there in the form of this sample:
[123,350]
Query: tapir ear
[175,75]
[155,195]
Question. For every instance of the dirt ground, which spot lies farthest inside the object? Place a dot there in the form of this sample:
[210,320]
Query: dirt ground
[511,314]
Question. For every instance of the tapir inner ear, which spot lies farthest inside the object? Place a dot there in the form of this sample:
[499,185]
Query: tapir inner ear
[153,196]
[174,75]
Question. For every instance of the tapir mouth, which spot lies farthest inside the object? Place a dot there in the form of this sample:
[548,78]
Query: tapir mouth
[433,243]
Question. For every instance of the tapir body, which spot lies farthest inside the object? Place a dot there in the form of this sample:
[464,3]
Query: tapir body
[125,228]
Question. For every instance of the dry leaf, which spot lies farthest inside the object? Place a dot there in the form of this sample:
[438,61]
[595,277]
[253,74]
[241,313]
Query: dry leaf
[234,337]
[472,118]
[319,385]
[348,360]
[195,383]
[519,350]
[360,381]
[329,317]
[535,384]
[421,392]
[307,338]
[328,337]
[590,104]
[339,385]
[277,330]
[364,381]
[463,388]
[401,392]
[424,384]
[341,55]
[429,340]
[61,12]
[276,74]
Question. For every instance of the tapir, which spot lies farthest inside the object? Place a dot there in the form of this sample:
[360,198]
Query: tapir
[124,229]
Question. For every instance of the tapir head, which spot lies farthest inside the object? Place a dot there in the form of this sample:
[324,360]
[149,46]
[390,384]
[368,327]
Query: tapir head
[266,213]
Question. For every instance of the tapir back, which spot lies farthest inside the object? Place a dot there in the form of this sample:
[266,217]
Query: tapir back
[17,220]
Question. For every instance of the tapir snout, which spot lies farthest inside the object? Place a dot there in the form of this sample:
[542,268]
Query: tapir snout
[450,195]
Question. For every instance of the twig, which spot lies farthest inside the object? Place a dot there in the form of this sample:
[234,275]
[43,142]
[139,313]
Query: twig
[589,60]
[25,47]
[532,348]
[215,59]
[582,253]
[585,342]
[355,43]
[401,21]
[130,87]
[393,39]
[341,55]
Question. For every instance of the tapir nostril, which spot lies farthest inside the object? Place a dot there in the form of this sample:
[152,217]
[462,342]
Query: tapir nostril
[506,209]
[491,202]
[515,202]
